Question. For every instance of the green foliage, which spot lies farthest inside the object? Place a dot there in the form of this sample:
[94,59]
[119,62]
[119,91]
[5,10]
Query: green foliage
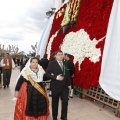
[18,55]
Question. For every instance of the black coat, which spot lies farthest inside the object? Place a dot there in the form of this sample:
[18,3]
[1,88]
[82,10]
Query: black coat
[44,63]
[52,71]
[71,67]
[36,104]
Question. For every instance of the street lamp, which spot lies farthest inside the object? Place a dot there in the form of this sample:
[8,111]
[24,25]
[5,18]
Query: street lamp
[51,12]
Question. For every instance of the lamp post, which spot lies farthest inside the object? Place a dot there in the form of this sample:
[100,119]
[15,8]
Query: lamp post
[50,12]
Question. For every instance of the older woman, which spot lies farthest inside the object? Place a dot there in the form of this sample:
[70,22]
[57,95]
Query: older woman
[32,101]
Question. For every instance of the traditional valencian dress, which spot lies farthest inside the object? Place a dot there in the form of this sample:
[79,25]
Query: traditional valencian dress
[32,102]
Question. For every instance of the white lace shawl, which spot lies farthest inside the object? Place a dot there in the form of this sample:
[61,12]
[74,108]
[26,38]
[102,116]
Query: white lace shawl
[37,77]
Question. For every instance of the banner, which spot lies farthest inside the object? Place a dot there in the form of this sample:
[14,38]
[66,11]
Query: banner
[110,70]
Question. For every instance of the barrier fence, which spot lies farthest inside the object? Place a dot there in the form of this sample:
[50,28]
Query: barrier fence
[97,93]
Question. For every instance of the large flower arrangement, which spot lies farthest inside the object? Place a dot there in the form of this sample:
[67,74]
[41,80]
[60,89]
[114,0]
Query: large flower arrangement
[85,40]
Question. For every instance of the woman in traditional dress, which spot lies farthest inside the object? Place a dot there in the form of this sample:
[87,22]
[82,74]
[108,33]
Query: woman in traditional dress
[32,101]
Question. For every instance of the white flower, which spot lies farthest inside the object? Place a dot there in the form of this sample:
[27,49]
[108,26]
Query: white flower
[50,44]
[80,46]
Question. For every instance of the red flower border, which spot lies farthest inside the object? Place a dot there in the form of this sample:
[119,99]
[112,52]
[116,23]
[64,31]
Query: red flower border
[93,18]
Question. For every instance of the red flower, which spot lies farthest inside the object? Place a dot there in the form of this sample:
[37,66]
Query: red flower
[93,18]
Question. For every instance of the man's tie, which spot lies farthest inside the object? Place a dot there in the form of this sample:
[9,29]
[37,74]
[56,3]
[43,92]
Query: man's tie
[61,65]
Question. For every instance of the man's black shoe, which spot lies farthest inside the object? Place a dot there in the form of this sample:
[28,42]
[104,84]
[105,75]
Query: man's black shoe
[63,118]
[7,86]
[4,87]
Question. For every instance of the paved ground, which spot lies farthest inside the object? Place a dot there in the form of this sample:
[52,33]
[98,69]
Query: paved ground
[79,109]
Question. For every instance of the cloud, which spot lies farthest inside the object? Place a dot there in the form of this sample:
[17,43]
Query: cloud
[23,21]
[14,37]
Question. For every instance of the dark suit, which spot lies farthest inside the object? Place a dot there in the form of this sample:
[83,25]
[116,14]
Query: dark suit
[59,88]
[71,67]
[72,70]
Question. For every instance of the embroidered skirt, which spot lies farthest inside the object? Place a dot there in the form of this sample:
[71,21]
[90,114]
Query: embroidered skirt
[26,104]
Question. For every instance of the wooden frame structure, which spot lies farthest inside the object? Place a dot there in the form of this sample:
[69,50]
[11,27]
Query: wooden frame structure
[97,93]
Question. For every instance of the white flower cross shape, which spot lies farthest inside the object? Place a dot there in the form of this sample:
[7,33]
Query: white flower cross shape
[81,46]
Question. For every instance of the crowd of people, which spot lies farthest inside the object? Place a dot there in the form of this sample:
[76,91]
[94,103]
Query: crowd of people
[32,100]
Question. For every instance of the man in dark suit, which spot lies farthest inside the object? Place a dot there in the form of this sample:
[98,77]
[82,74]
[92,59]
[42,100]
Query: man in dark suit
[58,72]
[67,58]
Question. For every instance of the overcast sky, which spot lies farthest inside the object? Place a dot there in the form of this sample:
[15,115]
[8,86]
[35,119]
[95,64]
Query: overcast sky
[22,22]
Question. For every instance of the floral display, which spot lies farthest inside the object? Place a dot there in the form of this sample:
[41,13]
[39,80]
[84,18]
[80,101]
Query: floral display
[84,40]
[82,47]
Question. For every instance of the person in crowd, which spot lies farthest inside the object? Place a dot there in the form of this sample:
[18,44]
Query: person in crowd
[24,58]
[38,56]
[32,101]
[0,73]
[48,85]
[18,61]
[53,57]
[21,60]
[0,65]
[29,59]
[60,84]
[44,62]
[0,80]
[16,64]
[23,65]
[14,59]
[67,58]
[7,64]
